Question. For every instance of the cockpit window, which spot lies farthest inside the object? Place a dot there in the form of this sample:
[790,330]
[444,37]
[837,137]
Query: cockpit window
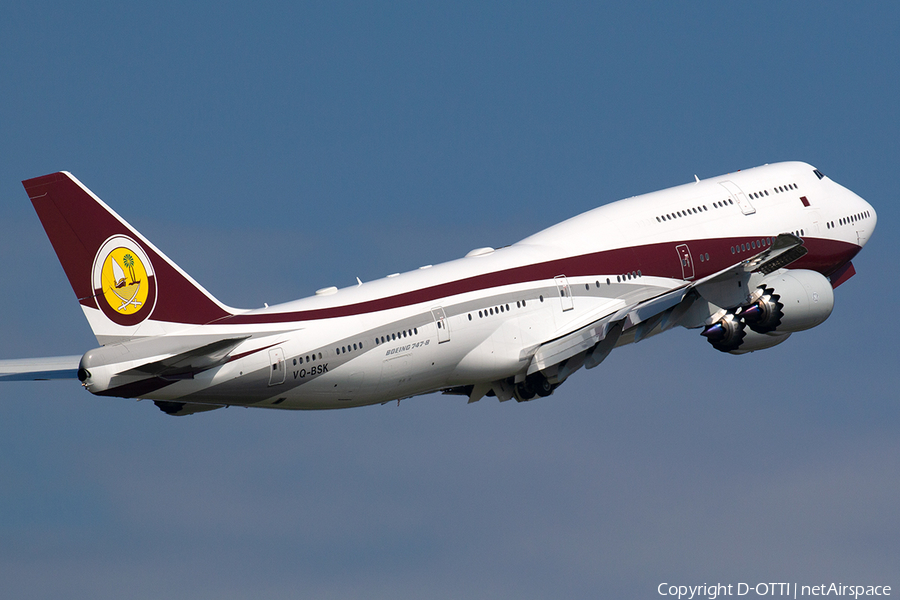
[818,173]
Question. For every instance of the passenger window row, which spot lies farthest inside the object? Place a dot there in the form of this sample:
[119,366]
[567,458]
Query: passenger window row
[348,348]
[785,188]
[723,203]
[390,337]
[496,310]
[681,213]
[852,219]
[778,189]
[752,245]
[308,358]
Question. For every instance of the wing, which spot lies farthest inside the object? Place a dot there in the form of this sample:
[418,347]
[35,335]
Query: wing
[590,344]
[39,369]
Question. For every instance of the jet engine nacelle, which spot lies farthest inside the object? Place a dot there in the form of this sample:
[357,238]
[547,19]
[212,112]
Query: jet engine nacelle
[782,304]
[753,341]
[788,302]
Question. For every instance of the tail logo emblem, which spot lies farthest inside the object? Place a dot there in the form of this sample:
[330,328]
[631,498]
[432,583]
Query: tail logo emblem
[124,282]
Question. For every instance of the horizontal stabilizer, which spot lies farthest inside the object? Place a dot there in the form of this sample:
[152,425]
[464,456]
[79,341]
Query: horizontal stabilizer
[39,369]
[187,364]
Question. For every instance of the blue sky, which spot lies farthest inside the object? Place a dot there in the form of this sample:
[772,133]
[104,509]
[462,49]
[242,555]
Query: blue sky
[276,149]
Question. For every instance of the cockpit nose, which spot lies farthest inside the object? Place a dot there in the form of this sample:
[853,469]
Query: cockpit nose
[865,221]
[873,217]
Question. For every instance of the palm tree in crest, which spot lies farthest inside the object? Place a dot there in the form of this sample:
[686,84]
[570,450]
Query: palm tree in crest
[128,261]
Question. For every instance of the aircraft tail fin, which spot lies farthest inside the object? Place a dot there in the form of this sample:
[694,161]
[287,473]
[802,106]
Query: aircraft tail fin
[125,285]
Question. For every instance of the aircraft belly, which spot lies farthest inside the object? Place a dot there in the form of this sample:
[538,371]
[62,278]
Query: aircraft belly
[496,357]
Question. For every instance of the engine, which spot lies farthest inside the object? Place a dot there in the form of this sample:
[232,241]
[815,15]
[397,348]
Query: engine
[781,304]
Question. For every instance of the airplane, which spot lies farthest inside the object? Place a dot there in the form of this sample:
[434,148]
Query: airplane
[747,258]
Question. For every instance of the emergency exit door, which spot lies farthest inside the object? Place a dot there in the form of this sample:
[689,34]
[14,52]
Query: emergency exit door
[687,265]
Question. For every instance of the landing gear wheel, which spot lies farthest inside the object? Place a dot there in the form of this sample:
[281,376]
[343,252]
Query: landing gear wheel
[524,391]
[541,385]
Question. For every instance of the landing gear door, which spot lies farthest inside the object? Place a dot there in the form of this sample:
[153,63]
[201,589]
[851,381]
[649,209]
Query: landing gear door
[687,265]
[276,366]
[565,293]
[738,196]
[440,322]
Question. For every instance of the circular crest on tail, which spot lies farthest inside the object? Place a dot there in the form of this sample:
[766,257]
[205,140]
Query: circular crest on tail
[123,281]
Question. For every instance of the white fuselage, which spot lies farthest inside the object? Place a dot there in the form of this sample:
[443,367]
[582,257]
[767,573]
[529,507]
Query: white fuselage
[480,318]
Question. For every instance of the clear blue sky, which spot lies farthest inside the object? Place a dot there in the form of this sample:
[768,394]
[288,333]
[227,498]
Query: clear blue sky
[275,149]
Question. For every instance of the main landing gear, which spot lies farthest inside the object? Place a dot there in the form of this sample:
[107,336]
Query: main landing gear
[534,384]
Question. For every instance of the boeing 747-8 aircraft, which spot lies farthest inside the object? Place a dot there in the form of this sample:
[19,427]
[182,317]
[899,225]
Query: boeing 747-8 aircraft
[747,258]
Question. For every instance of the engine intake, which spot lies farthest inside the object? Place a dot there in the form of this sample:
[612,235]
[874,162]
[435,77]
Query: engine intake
[790,301]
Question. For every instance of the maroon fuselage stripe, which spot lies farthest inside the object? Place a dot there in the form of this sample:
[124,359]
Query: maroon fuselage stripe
[77,226]
[659,260]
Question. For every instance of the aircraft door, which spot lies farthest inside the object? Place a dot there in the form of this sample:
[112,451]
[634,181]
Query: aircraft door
[739,196]
[440,322]
[814,215]
[277,368]
[687,265]
[565,293]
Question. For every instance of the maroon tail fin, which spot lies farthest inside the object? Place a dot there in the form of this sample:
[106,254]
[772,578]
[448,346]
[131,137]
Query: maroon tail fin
[122,281]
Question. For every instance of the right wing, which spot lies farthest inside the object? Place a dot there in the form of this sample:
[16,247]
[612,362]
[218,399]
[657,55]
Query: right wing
[591,343]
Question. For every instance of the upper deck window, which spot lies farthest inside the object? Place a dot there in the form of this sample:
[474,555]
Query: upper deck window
[818,173]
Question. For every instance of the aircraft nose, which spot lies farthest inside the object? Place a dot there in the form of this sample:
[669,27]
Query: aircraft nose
[866,220]
[873,217]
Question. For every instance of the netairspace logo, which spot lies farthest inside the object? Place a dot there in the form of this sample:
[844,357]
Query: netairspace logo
[713,591]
